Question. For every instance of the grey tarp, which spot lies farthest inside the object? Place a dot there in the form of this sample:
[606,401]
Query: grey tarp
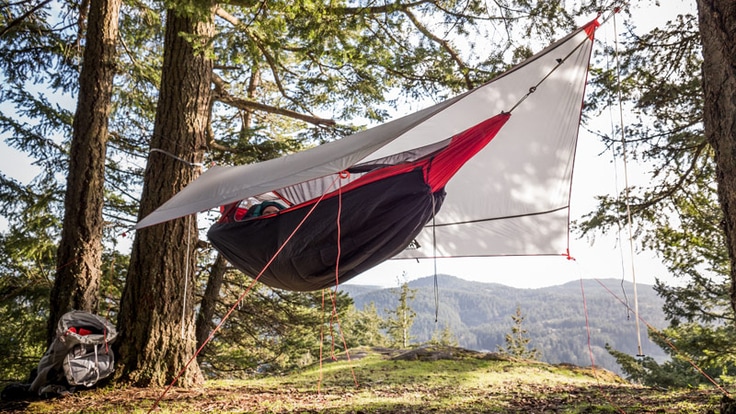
[511,199]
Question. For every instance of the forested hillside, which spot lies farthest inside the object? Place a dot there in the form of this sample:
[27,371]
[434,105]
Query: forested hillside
[479,316]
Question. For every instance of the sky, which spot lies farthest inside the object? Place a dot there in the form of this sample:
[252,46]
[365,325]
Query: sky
[608,256]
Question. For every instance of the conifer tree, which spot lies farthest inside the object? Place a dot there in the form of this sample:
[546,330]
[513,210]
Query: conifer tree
[717,28]
[156,323]
[690,345]
[444,337]
[28,250]
[517,341]
[677,87]
[33,50]
[79,257]
[364,327]
[400,319]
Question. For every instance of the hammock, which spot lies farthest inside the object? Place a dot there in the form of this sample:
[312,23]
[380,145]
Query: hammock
[384,210]
[498,160]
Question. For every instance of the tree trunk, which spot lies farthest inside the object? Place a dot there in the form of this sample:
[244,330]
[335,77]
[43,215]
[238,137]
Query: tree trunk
[79,257]
[209,299]
[717,21]
[156,322]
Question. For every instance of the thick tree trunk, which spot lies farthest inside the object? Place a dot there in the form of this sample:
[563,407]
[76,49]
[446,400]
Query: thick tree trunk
[209,299]
[156,321]
[717,20]
[79,257]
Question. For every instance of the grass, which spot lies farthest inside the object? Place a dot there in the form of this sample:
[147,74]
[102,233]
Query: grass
[431,381]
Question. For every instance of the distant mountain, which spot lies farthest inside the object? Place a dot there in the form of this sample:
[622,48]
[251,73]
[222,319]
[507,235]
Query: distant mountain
[559,320]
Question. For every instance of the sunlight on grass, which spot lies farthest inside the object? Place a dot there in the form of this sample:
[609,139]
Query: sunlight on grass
[463,384]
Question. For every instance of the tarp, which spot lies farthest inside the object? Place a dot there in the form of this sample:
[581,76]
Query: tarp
[512,198]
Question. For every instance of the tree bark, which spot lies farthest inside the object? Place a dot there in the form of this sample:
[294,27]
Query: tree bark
[717,22]
[156,322]
[209,299]
[79,257]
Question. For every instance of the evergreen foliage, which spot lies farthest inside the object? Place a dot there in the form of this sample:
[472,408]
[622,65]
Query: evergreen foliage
[444,337]
[35,50]
[688,366]
[678,215]
[645,370]
[364,327]
[273,330]
[27,258]
[400,319]
[518,341]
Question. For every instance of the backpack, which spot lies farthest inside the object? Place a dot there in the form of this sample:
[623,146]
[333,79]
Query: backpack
[80,355]
[88,362]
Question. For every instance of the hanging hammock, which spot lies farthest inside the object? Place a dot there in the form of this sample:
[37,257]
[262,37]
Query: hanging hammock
[384,210]
[498,160]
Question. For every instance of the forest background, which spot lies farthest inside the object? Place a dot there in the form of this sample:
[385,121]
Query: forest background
[263,79]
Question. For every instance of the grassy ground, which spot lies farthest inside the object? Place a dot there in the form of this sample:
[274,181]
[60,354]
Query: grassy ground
[381,381]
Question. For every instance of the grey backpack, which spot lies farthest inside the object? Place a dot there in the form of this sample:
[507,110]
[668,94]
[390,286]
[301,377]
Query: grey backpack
[80,355]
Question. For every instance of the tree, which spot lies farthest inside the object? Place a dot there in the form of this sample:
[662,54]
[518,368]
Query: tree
[364,327]
[156,319]
[400,319]
[33,49]
[675,75]
[517,341]
[210,299]
[717,26]
[687,353]
[291,60]
[79,257]
[27,253]
[444,337]
[679,82]
[270,330]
